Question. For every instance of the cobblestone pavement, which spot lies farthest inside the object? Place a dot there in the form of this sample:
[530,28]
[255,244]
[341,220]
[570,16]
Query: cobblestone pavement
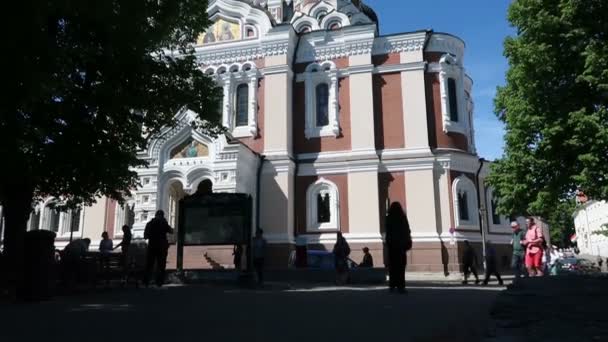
[430,312]
[569,308]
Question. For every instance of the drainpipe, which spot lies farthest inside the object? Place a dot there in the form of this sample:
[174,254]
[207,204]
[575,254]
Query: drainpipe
[481,213]
[296,167]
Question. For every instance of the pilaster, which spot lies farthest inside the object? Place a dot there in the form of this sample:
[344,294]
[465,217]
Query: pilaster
[361,103]
[414,103]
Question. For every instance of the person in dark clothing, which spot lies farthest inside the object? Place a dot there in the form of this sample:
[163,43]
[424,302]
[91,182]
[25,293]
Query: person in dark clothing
[156,233]
[237,254]
[341,252]
[491,267]
[125,245]
[519,251]
[398,242]
[469,260]
[368,261]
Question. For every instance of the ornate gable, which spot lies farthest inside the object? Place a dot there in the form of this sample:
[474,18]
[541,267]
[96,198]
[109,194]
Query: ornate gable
[235,20]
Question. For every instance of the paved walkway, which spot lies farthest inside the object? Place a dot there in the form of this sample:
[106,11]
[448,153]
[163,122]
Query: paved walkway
[430,312]
[554,309]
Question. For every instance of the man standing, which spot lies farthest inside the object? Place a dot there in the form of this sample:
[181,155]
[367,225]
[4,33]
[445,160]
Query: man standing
[519,251]
[156,233]
[469,260]
[534,251]
[491,267]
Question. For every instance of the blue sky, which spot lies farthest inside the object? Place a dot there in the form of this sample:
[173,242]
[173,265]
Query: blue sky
[482,24]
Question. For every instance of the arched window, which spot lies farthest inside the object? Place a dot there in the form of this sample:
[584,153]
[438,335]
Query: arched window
[75,221]
[242,103]
[322,206]
[334,26]
[125,215]
[464,203]
[35,219]
[463,206]
[51,218]
[496,221]
[453,98]
[322,101]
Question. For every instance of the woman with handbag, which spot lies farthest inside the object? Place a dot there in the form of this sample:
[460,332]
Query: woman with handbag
[398,242]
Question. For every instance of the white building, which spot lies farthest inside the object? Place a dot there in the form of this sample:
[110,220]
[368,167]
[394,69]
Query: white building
[588,219]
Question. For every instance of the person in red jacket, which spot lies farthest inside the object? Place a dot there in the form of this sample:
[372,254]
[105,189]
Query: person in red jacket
[534,248]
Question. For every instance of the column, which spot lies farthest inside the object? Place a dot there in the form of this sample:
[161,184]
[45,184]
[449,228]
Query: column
[421,201]
[277,179]
[363,208]
[414,103]
[362,104]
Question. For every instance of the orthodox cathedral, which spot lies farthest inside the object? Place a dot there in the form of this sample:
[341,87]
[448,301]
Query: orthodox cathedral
[329,123]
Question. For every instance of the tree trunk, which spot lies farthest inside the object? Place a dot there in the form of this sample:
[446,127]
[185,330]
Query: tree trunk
[16,213]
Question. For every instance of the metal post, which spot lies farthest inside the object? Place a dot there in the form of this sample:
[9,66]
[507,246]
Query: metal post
[481,213]
[1,226]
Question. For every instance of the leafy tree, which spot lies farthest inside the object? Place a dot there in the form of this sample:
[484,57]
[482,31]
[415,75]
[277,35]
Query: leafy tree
[561,223]
[86,83]
[554,106]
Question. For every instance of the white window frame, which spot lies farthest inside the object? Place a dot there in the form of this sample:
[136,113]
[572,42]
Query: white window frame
[450,68]
[120,216]
[320,187]
[65,224]
[229,78]
[464,184]
[505,224]
[314,75]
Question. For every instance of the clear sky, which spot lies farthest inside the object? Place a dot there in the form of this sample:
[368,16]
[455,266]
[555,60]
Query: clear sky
[482,24]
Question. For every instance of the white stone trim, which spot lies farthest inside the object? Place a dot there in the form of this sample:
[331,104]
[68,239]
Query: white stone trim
[334,17]
[230,77]
[446,43]
[450,69]
[393,160]
[405,42]
[464,184]
[322,186]
[382,69]
[316,74]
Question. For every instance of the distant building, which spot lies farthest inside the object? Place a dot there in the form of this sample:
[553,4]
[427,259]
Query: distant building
[347,120]
[590,218]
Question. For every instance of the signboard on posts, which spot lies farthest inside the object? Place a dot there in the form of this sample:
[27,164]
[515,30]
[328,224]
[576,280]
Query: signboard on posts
[215,219]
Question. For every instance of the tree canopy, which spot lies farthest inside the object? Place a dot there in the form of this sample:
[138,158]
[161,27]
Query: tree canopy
[83,79]
[554,106]
[86,83]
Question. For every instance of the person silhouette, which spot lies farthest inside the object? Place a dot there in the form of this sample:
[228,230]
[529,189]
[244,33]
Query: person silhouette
[368,261]
[158,246]
[341,252]
[398,242]
[469,261]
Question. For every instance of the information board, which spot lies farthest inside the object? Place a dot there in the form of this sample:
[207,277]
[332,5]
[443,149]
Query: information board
[217,219]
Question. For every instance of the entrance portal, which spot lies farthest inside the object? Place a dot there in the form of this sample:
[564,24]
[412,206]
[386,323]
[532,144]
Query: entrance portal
[176,193]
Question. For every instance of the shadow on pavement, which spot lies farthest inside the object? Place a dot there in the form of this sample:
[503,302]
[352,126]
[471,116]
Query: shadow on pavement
[189,313]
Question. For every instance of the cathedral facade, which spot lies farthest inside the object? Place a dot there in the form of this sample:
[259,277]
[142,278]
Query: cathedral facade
[329,123]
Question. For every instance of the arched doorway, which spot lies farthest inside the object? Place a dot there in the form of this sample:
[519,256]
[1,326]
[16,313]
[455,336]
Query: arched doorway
[175,194]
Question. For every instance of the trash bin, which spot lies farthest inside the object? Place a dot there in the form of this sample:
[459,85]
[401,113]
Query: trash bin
[38,265]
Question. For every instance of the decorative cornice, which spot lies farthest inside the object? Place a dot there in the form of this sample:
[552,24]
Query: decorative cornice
[228,55]
[399,43]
